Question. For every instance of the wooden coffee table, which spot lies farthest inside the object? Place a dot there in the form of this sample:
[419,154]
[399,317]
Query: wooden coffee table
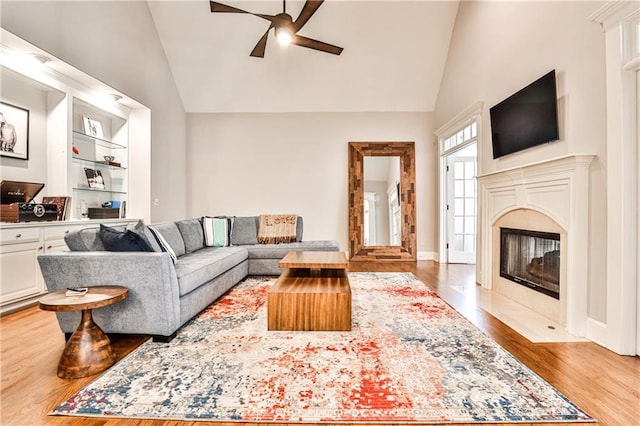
[88,351]
[312,293]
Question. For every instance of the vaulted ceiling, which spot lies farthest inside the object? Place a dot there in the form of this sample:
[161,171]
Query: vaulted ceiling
[393,59]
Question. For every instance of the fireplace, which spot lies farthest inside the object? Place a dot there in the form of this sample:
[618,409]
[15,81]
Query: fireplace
[531,259]
[549,196]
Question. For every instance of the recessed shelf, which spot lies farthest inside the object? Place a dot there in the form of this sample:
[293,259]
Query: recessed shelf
[100,190]
[101,142]
[97,163]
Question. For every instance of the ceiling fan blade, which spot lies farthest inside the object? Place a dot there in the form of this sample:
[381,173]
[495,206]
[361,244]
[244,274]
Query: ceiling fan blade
[223,8]
[306,13]
[299,40]
[258,50]
[219,7]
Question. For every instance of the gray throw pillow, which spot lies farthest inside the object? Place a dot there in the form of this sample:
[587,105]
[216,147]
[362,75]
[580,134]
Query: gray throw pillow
[145,233]
[171,235]
[192,234]
[245,231]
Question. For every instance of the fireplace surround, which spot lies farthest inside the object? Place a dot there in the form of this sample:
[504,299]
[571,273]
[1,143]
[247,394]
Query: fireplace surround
[550,196]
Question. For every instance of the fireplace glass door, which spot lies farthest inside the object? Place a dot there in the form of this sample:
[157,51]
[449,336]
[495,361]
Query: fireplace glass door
[532,259]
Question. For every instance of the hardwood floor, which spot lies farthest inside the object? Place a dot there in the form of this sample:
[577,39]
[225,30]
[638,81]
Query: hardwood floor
[602,383]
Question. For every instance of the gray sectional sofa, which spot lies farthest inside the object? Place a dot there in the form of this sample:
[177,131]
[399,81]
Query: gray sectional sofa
[163,294]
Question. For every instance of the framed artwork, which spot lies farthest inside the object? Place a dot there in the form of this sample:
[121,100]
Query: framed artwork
[63,206]
[92,127]
[14,131]
[94,178]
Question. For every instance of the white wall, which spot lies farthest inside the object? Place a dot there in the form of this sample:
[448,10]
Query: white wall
[250,164]
[117,43]
[16,92]
[499,47]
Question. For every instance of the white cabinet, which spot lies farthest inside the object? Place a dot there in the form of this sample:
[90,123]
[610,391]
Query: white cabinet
[19,272]
[21,282]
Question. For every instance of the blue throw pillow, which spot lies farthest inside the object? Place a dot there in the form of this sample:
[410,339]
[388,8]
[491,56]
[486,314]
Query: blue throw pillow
[115,240]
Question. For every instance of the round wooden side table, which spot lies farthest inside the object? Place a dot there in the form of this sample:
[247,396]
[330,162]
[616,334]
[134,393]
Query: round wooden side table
[88,351]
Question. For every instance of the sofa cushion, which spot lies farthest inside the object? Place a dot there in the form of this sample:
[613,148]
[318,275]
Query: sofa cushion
[192,234]
[171,234]
[245,231]
[217,231]
[197,268]
[299,228]
[278,251]
[143,230]
[86,239]
[116,240]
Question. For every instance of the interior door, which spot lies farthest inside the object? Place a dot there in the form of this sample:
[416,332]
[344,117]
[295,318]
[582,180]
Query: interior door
[461,209]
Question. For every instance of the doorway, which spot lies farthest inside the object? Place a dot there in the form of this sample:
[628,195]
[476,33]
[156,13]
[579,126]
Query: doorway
[461,208]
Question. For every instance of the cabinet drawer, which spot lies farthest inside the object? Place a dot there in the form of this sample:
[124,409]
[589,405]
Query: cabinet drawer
[19,235]
[58,232]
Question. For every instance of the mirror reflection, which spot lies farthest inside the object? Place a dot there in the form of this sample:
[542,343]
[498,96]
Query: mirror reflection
[382,207]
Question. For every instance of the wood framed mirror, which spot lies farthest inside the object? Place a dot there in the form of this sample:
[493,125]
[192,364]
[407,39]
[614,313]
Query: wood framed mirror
[359,249]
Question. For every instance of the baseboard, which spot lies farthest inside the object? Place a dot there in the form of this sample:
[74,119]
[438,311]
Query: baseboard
[427,255]
[597,332]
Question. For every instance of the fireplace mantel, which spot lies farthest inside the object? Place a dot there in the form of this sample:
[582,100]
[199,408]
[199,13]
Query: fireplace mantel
[559,189]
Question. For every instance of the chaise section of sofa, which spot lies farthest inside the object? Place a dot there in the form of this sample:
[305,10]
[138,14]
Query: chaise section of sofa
[264,258]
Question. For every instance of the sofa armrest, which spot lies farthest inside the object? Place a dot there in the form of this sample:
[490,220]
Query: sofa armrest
[153,304]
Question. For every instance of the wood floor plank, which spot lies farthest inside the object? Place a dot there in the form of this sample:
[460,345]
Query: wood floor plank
[602,383]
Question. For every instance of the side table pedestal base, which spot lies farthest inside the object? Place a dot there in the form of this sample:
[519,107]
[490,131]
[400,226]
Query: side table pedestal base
[88,351]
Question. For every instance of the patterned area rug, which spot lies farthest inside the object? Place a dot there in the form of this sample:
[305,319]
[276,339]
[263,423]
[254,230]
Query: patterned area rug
[409,358]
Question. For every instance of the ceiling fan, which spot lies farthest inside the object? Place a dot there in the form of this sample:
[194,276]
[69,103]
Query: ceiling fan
[286,29]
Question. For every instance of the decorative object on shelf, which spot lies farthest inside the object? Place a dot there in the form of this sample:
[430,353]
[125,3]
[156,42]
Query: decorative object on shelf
[92,127]
[84,211]
[108,160]
[75,150]
[14,131]
[103,213]
[63,204]
[94,178]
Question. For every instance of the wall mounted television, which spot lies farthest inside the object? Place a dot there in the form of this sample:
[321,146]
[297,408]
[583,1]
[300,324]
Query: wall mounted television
[527,118]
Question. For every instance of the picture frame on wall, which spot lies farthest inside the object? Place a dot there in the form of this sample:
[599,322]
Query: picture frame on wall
[14,131]
[92,127]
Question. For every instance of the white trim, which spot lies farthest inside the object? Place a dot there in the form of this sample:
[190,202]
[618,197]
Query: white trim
[428,255]
[456,122]
[597,331]
[474,112]
[623,304]
[612,12]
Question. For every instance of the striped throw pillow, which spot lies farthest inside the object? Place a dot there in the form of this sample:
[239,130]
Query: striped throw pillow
[164,245]
[217,231]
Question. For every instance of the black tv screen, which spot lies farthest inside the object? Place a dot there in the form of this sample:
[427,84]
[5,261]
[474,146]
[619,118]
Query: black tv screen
[527,118]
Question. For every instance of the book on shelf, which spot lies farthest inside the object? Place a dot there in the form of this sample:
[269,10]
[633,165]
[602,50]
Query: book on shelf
[64,206]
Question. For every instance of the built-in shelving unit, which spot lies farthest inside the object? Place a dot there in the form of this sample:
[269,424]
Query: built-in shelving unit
[59,97]
[90,155]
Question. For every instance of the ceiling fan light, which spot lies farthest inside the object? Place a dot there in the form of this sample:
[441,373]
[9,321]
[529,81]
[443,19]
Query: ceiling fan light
[284,35]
